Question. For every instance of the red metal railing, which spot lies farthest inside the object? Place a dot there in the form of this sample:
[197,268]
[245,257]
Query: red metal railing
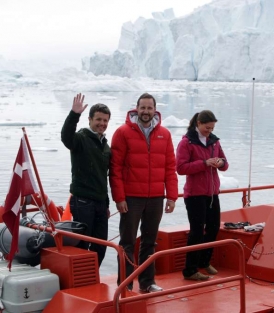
[243,190]
[121,290]
[152,258]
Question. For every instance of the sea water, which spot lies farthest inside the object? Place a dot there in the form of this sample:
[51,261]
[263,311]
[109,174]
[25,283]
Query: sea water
[43,112]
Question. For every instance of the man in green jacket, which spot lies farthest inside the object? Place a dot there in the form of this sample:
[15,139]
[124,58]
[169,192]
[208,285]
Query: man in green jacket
[90,159]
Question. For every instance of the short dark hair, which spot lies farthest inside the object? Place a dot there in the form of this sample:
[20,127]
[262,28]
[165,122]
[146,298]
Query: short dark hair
[99,107]
[146,96]
[204,117]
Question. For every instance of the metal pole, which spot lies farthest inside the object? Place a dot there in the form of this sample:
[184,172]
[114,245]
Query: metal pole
[251,145]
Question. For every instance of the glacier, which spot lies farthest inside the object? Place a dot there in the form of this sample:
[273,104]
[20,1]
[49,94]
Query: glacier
[225,40]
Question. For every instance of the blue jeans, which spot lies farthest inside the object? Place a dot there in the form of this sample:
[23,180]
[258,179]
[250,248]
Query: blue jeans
[94,214]
[204,219]
[149,212]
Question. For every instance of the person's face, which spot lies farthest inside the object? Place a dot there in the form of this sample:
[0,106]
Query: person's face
[99,122]
[146,111]
[206,129]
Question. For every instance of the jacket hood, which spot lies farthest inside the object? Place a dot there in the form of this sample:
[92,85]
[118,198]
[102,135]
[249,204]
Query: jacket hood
[132,118]
[193,137]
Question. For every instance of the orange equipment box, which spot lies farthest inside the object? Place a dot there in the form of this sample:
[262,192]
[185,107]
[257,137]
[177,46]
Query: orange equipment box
[75,267]
[169,238]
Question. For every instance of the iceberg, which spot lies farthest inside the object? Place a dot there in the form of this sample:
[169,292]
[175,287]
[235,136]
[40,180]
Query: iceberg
[228,182]
[145,49]
[225,40]
[174,122]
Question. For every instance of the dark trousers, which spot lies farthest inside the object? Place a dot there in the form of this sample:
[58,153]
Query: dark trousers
[204,219]
[149,211]
[94,214]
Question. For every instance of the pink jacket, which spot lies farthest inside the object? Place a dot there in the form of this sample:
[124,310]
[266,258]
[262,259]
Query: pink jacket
[139,168]
[201,180]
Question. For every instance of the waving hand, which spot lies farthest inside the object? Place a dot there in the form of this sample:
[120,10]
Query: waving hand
[78,106]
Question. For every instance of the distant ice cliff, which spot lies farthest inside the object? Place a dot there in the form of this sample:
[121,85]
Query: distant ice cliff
[226,40]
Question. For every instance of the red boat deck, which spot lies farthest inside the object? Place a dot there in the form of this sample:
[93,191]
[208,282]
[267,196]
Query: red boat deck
[238,255]
[217,298]
[224,298]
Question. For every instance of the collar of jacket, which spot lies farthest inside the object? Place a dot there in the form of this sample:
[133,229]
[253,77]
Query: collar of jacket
[95,133]
[193,138]
[92,134]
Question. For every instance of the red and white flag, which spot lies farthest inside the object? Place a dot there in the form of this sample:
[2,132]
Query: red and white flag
[22,184]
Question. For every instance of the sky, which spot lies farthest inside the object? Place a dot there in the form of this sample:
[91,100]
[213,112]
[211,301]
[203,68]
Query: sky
[33,29]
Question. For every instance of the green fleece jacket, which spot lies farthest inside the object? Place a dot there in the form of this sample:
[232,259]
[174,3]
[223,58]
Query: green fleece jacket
[90,159]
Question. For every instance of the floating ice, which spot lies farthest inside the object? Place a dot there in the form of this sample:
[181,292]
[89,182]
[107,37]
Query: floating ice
[44,149]
[228,182]
[15,123]
[104,97]
[174,122]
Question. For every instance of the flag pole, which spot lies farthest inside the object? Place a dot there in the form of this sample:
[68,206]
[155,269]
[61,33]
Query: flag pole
[57,238]
[251,145]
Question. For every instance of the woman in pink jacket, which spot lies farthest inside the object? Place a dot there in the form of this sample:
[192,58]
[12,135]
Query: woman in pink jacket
[199,156]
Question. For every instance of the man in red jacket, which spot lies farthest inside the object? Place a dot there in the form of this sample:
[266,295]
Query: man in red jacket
[142,172]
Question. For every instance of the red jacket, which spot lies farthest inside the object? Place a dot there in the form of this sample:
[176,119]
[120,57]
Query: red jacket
[201,180]
[139,169]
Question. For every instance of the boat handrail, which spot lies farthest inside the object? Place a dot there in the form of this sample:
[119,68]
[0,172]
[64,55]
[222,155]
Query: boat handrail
[60,233]
[244,190]
[156,255]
